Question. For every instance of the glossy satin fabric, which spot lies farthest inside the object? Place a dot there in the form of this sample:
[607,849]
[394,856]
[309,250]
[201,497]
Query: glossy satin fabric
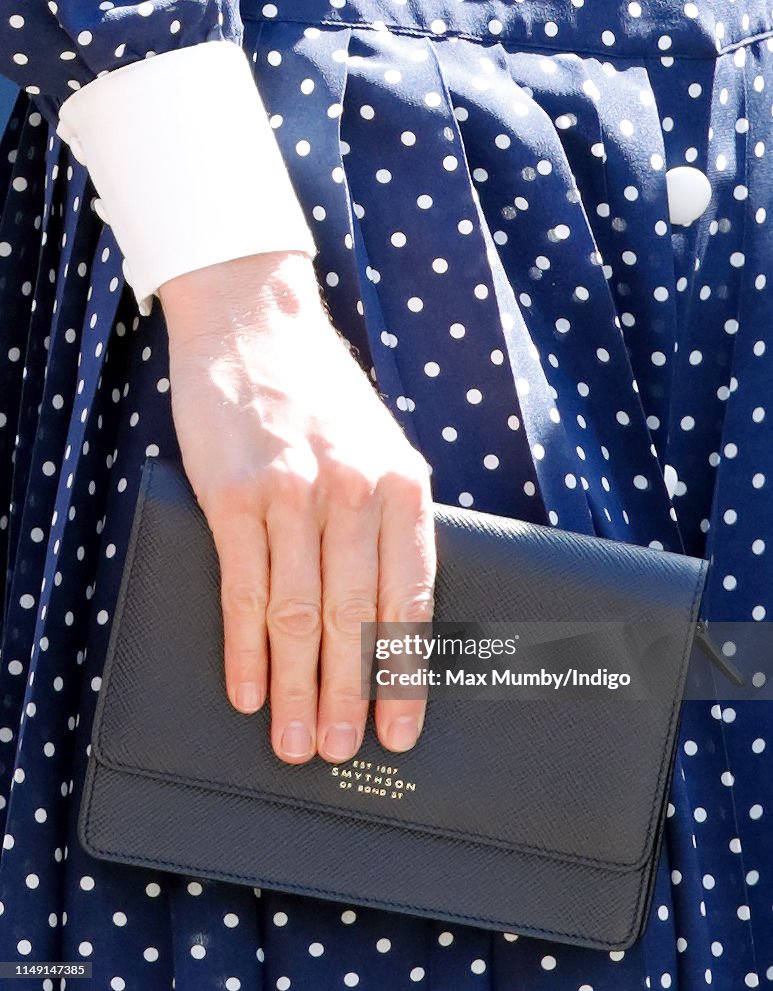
[488,194]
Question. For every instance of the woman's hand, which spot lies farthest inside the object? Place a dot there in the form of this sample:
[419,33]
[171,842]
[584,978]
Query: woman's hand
[320,508]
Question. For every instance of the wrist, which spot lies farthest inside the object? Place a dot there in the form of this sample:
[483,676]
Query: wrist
[250,291]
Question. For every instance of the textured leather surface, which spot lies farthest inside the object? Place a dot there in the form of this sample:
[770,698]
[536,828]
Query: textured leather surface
[536,816]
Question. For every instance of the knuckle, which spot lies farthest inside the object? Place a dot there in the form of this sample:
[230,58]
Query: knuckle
[344,618]
[298,619]
[243,661]
[243,599]
[294,695]
[340,697]
[347,485]
[229,495]
[416,607]
[407,486]
[290,488]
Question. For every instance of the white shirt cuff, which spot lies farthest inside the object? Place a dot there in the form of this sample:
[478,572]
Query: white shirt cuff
[185,163]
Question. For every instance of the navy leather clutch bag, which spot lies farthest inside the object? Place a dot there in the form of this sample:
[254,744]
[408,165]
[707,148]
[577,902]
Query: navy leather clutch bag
[535,815]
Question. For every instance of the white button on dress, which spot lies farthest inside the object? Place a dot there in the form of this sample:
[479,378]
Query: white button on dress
[689,194]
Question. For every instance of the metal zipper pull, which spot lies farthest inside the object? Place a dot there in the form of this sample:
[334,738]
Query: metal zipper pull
[706,644]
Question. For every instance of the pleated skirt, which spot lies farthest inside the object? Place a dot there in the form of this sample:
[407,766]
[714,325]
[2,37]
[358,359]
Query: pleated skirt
[487,185]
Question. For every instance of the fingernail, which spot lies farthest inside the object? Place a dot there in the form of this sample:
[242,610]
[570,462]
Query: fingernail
[340,741]
[248,697]
[296,740]
[402,733]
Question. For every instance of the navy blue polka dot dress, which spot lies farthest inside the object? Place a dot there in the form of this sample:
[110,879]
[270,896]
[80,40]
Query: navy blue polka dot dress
[492,188]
